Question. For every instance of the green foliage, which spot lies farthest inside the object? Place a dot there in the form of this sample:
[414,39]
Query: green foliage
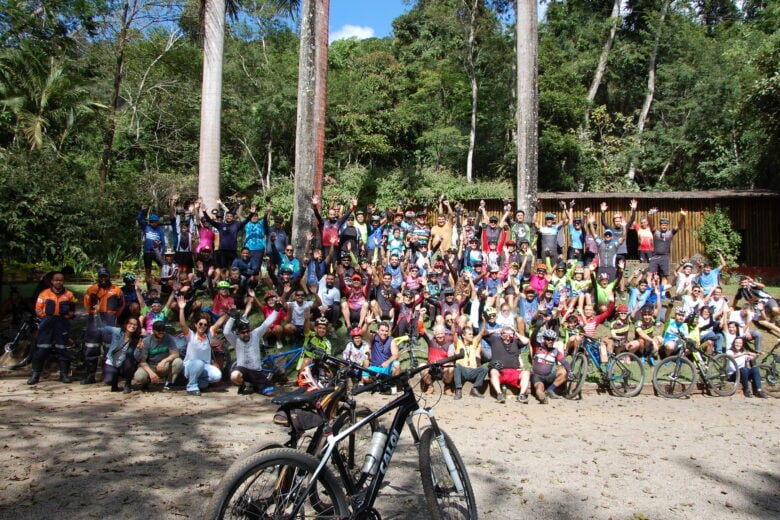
[716,232]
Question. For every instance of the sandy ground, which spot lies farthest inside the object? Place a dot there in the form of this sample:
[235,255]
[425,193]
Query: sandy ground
[70,451]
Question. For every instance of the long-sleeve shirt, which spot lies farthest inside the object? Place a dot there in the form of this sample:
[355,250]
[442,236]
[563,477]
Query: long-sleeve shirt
[154,238]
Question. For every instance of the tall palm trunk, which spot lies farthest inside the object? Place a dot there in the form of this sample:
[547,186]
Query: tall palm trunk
[211,101]
[310,126]
[527,106]
[643,115]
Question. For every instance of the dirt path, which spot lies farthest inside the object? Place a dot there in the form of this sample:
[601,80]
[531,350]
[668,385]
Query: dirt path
[81,452]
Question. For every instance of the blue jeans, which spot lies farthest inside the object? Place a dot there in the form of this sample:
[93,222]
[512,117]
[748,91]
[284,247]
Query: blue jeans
[746,375]
[716,338]
[200,374]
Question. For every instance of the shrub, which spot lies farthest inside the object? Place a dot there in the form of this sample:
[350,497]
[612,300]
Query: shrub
[717,232]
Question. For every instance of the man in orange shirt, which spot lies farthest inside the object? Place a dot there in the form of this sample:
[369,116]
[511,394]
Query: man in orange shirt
[107,299]
[55,307]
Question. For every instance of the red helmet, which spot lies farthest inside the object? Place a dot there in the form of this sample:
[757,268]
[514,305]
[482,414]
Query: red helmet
[357,331]
[622,308]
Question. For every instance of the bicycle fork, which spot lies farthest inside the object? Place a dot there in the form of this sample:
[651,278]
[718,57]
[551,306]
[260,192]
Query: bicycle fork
[445,450]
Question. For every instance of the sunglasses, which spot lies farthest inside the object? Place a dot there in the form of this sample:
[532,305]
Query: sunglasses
[202,324]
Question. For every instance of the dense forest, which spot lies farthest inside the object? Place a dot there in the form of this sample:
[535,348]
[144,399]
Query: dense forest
[100,107]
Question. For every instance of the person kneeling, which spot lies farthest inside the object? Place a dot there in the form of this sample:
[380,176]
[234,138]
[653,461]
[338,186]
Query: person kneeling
[506,367]
[544,371]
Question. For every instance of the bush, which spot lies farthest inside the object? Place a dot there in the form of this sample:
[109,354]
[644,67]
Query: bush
[717,232]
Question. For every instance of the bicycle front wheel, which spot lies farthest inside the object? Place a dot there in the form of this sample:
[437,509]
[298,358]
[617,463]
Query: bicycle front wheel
[447,488]
[412,356]
[576,378]
[674,377]
[722,375]
[626,375]
[17,349]
[272,484]
[770,379]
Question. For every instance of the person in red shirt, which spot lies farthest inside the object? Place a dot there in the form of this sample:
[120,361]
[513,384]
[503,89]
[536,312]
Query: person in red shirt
[55,307]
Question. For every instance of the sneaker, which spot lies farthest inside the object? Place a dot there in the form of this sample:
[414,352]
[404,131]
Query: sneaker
[500,398]
[268,391]
[88,379]
[167,387]
[242,389]
[128,388]
[279,345]
[761,394]
[458,393]
[475,393]
[651,360]
[552,395]
[522,398]
[543,399]
[194,392]
[749,394]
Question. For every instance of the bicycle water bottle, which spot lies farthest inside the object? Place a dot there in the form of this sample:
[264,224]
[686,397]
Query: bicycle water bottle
[375,449]
[603,353]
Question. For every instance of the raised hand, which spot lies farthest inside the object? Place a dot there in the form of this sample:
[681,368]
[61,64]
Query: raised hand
[603,207]
[634,203]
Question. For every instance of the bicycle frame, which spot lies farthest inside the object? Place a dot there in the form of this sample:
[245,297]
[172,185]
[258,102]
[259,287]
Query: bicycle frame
[272,367]
[406,406]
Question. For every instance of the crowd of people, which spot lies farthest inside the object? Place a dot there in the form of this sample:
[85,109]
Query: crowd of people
[515,296]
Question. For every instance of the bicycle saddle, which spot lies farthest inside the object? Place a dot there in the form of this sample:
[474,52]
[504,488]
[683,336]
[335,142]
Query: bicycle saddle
[300,399]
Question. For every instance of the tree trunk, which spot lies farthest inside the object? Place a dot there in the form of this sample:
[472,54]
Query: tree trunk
[602,65]
[211,101]
[527,106]
[119,74]
[310,125]
[640,125]
[474,88]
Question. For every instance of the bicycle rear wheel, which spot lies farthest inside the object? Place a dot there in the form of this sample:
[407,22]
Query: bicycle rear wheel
[576,378]
[626,375]
[444,499]
[722,375]
[674,377]
[770,379]
[271,484]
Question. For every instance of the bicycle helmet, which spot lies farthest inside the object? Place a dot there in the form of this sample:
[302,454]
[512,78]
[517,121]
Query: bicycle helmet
[321,321]
[356,331]
[679,310]
[223,284]
[128,278]
[449,291]
[622,308]
[490,311]
[549,334]
[647,311]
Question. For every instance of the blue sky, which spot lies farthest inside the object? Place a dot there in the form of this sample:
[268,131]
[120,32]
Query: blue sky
[364,18]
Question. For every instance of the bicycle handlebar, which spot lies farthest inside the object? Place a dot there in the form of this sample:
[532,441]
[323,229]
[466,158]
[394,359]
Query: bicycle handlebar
[405,374]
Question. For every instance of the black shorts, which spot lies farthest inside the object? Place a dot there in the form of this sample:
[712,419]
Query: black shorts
[546,380]
[151,257]
[184,259]
[659,264]
[224,258]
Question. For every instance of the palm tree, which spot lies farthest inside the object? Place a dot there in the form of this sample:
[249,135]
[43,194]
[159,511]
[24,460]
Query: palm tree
[527,115]
[213,24]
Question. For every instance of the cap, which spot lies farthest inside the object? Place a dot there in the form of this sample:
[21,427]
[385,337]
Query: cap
[664,221]
[608,231]
[493,218]
[549,216]
[154,218]
[356,277]
[158,325]
[103,272]
[153,301]
[432,273]
[278,218]
[421,213]
[285,270]
[577,220]
[494,269]
[169,252]
[360,212]
[408,293]
[622,308]
[269,294]
[529,289]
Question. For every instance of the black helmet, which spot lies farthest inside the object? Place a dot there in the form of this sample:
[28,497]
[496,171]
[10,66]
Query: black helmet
[242,326]
[128,278]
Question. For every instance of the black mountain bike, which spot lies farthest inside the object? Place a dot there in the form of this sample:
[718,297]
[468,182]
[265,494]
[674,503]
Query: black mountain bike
[288,483]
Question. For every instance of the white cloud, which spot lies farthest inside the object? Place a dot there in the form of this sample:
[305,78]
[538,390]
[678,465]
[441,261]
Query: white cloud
[352,31]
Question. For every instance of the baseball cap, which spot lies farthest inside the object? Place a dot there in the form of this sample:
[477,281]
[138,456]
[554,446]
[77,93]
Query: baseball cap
[153,218]
[103,272]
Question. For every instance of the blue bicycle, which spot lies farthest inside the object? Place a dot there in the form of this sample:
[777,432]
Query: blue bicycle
[623,374]
[276,366]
